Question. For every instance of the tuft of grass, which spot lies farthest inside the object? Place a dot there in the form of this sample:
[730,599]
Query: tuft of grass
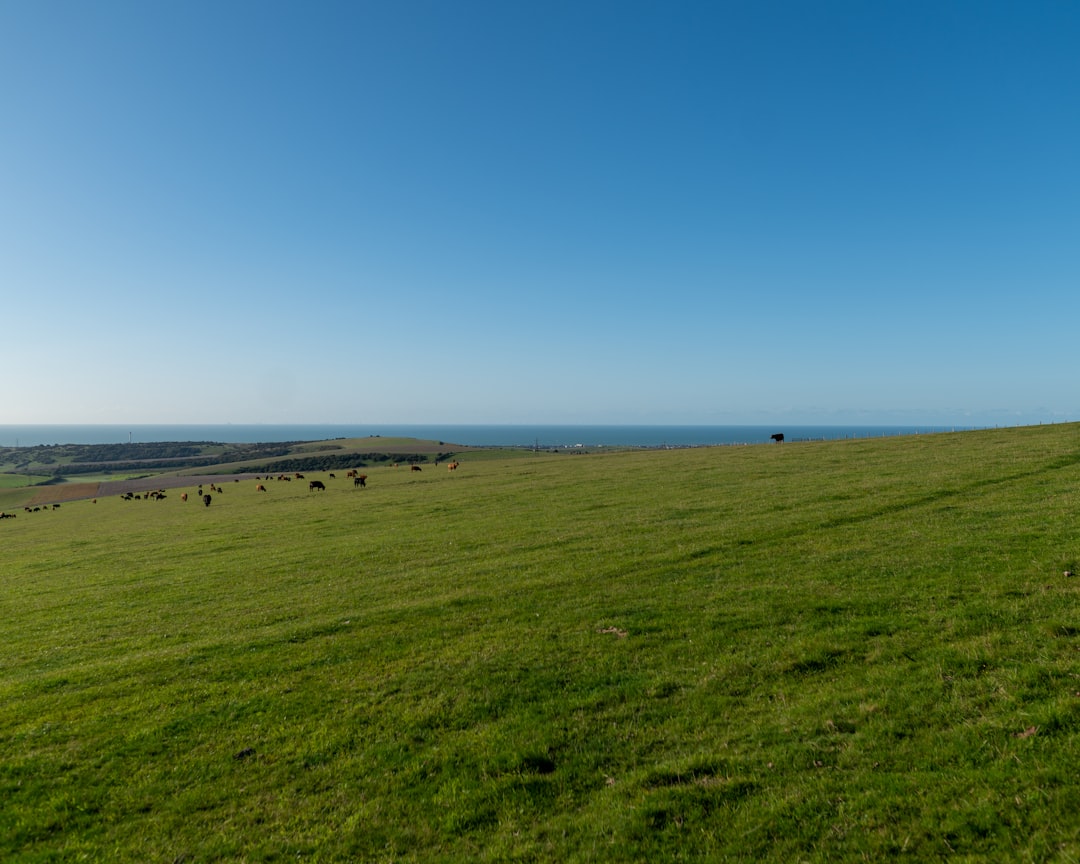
[830,650]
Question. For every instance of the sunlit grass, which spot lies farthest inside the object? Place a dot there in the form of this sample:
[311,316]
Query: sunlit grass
[844,650]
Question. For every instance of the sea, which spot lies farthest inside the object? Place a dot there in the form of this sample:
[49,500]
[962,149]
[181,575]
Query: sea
[539,436]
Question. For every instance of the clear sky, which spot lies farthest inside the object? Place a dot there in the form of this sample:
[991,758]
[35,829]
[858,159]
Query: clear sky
[539,212]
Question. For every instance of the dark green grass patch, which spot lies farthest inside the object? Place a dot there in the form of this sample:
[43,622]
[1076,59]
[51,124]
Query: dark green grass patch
[828,651]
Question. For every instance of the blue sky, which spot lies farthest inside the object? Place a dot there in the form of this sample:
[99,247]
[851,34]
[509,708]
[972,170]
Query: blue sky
[557,212]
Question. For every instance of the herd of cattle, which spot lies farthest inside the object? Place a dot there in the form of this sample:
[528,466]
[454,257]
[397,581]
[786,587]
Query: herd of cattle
[43,507]
[359,482]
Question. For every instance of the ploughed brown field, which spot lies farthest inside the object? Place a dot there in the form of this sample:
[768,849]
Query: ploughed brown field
[80,491]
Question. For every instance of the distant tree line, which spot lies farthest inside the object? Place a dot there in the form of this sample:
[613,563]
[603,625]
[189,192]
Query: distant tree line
[50,454]
[123,467]
[135,452]
[334,462]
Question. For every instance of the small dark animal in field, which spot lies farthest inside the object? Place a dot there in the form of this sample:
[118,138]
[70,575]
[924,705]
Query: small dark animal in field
[415,468]
[55,506]
[316,484]
[349,474]
[298,475]
[206,499]
[778,437]
[332,477]
[183,496]
[360,480]
[260,488]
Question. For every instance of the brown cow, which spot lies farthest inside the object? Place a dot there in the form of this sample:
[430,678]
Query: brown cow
[183,496]
[260,488]
[360,480]
[415,468]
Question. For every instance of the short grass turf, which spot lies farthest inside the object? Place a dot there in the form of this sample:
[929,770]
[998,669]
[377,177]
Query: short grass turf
[856,650]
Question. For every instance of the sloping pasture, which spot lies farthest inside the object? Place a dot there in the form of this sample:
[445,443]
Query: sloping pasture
[830,651]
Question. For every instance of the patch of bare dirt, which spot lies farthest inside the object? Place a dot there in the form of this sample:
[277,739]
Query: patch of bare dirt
[81,491]
[63,492]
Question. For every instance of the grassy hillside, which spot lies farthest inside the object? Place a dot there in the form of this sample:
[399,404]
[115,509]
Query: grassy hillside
[829,651]
[69,469]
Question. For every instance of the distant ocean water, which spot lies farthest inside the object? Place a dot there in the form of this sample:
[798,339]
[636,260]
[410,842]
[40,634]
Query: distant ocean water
[479,436]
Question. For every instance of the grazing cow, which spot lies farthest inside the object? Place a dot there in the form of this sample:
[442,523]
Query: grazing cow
[778,437]
[206,500]
[298,475]
[183,496]
[316,484]
[415,468]
[55,506]
[350,474]
[360,480]
[452,466]
[260,488]
[332,477]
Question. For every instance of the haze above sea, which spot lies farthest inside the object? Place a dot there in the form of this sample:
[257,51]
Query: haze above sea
[545,436]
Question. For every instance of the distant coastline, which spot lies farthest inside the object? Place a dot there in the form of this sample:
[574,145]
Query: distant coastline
[544,436]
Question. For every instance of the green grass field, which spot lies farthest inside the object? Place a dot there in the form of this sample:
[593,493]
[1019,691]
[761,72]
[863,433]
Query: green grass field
[17,481]
[843,651]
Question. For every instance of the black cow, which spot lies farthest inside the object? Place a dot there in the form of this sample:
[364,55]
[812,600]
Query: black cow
[360,480]
[316,484]
[778,437]
[206,499]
